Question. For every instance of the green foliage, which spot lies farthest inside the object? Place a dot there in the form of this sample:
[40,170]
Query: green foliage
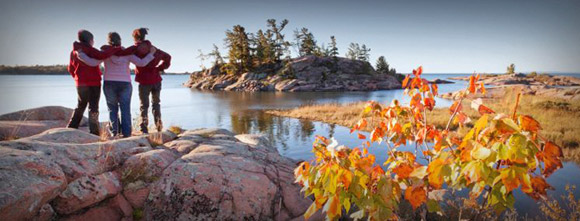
[217,56]
[511,69]
[305,42]
[498,155]
[382,66]
[332,47]
[358,52]
[239,50]
[278,43]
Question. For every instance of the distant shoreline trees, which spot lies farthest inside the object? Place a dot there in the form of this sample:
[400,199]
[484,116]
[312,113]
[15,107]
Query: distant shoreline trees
[34,70]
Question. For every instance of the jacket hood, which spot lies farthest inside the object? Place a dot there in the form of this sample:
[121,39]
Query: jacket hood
[79,45]
[143,47]
[114,59]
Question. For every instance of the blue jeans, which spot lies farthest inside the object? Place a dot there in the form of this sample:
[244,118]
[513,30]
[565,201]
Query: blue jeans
[118,95]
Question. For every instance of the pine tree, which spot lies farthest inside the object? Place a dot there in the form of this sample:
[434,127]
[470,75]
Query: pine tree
[511,69]
[261,45]
[363,54]
[217,56]
[278,43]
[333,49]
[202,58]
[305,42]
[353,51]
[382,66]
[240,59]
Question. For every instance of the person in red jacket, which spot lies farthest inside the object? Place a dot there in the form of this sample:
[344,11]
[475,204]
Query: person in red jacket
[149,78]
[88,80]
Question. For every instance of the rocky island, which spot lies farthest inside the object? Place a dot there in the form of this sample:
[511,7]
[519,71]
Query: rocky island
[307,73]
[262,61]
[201,174]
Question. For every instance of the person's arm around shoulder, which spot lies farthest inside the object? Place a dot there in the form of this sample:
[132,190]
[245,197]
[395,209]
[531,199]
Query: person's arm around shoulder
[127,51]
[100,55]
[88,60]
[166,58]
[140,62]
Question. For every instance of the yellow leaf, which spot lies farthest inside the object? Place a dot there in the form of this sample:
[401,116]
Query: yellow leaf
[480,152]
[419,172]
[311,210]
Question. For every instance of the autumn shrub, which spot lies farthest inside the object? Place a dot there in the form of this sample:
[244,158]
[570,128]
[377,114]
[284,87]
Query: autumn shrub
[500,153]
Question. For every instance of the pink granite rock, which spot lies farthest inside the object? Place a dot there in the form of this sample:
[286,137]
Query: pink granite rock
[28,181]
[116,208]
[86,191]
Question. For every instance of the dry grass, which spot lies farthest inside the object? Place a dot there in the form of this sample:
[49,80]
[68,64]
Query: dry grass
[560,119]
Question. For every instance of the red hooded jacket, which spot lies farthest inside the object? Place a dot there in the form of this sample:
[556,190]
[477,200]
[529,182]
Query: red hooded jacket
[151,73]
[83,74]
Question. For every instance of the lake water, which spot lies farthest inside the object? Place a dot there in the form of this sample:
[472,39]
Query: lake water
[242,113]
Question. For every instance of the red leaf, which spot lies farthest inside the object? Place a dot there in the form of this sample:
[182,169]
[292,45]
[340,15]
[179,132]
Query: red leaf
[484,110]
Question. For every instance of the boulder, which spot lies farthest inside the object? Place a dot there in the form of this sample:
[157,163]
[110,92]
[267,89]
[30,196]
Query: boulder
[46,213]
[181,146]
[286,85]
[28,181]
[157,138]
[78,160]
[34,121]
[115,208]
[86,191]
[146,166]
[136,193]
[203,174]
[65,135]
[224,179]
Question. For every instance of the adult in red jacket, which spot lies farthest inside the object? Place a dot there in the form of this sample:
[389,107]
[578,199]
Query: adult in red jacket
[149,78]
[87,80]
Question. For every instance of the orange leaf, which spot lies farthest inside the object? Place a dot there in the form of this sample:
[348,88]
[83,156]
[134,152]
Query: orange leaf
[551,157]
[416,195]
[484,110]
[377,134]
[403,170]
[417,72]
[472,84]
[406,81]
[376,173]
[456,105]
[333,207]
[529,124]
[539,187]
[434,89]
[362,137]
[482,88]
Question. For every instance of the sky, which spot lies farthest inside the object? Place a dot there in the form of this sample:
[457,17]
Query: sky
[442,36]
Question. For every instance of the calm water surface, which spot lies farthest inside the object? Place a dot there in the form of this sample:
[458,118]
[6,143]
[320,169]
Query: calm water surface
[242,113]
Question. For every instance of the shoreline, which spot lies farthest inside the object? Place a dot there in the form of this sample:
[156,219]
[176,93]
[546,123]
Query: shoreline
[560,118]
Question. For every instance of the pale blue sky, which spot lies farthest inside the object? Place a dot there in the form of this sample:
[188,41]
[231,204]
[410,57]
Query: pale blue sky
[443,36]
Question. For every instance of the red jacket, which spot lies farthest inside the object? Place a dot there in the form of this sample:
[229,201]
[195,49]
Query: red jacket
[151,73]
[83,74]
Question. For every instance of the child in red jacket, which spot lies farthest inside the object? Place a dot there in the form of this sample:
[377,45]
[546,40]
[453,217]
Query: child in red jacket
[88,80]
